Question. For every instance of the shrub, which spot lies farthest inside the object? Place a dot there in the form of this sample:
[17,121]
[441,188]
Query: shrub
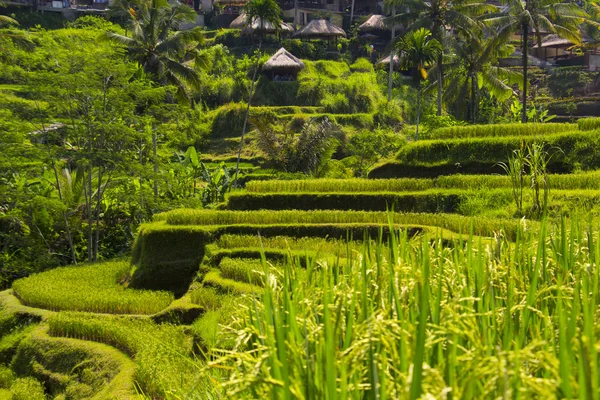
[362,65]
[564,82]
[389,114]
[229,119]
[335,103]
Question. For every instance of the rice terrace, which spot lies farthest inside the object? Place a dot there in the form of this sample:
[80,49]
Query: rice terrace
[276,199]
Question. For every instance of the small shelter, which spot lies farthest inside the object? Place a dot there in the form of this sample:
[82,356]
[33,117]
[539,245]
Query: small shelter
[283,66]
[373,24]
[320,29]
[241,22]
[386,61]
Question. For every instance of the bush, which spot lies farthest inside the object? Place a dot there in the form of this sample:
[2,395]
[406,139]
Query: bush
[335,103]
[388,114]
[229,119]
[565,82]
[362,65]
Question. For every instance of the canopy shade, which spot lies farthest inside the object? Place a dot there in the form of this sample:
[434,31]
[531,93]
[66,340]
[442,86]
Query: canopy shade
[320,28]
[283,59]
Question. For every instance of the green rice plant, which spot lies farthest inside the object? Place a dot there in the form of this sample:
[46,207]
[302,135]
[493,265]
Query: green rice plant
[215,279]
[421,319]
[91,287]
[456,223]
[27,389]
[494,130]
[515,169]
[588,124]
[166,367]
[245,270]
[339,185]
[577,150]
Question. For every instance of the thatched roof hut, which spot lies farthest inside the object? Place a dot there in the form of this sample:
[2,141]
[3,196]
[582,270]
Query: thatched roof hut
[241,22]
[283,63]
[320,29]
[554,41]
[374,23]
[386,61]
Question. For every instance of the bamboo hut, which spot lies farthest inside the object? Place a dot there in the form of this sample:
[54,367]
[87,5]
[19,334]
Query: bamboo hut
[320,29]
[283,66]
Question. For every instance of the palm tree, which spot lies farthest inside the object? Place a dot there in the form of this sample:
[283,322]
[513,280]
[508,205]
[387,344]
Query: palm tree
[525,16]
[264,11]
[159,44]
[473,68]
[419,50]
[437,16]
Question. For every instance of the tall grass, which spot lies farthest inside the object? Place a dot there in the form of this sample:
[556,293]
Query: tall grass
[93,288]
[426,321]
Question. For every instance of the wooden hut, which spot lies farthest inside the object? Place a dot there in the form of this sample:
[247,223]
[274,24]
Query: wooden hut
[283,66]
[320,29]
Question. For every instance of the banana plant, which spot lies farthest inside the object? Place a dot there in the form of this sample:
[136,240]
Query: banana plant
[217,181]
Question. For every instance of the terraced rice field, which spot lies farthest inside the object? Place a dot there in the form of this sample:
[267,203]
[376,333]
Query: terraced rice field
[335,303]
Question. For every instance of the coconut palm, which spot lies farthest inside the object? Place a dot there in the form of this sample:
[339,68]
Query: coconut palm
[264,11]
[159,43]
[474,67]
[437,16]
[419,50]
[552,16]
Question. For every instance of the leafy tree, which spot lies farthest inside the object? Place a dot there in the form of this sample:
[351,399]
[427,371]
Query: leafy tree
[474,67]
[437,16]
[552,16]
[159,43]
[419,51]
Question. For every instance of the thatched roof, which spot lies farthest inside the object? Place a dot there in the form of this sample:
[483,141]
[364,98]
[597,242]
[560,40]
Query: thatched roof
[554,41]
[320,28]
[241,22]
[374,23]
[231,2]
[386,61]
[283,59]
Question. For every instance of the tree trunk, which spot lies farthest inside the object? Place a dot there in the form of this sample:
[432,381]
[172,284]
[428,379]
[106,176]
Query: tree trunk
[440,82]
[352,12]
[90,218]
[525,61]
[418,110]
[295,14]
[155,160]
[392,54]
[250,96]
[473,99]
[97,214]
